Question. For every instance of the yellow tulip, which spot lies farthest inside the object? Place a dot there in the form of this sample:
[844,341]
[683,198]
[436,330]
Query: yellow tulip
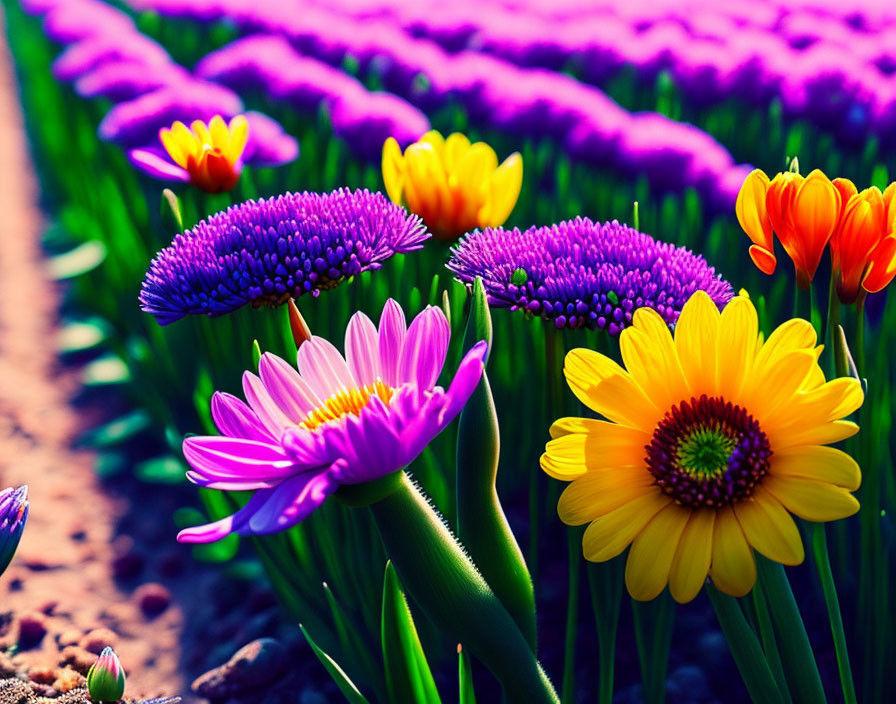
[453,185]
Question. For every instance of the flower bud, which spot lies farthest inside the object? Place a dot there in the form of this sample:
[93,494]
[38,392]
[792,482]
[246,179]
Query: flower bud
[105,679]
[13,514]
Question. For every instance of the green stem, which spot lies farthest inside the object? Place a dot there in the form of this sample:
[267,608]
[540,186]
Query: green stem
[653,637]
[445,583]
[605,583]
[823,563]
[769,644]
[796,651]
[833,320]
[745,649]
[574,539]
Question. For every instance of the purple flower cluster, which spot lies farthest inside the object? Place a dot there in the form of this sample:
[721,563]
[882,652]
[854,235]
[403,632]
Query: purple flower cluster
[105,55]
[269,64]
[523,101]
[265,251]
[584,274]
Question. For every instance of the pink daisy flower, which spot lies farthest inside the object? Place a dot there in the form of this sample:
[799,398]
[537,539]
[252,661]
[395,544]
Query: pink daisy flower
[337,420]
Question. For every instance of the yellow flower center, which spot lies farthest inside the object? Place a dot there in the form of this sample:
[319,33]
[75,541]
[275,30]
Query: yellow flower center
[346,401]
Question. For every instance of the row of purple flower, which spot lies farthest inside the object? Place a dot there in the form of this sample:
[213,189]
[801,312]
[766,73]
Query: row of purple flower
[495,93]
[835,70]
[821,67]
[106,56]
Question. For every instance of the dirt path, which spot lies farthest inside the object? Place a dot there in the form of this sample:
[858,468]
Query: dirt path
[62,574]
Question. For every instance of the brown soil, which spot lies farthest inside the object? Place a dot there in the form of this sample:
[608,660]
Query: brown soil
[63,569]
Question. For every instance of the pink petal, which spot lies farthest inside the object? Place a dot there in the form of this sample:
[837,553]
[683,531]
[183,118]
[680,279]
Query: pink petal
[157,166]
[216,456]
[291,502]
[324,368]
[424,350]
[261,402]
[236,420]
[288,390]
[362,349]
[211,532]
[393,330]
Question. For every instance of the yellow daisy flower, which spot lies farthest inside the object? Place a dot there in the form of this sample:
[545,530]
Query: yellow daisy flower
[712,439]
[454,186]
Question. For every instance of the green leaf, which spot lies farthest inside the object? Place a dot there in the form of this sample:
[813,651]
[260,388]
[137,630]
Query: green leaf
[161,470]
[408,677]
[80,260]
[117,431]
[479,324]
[346,686]
[464,677]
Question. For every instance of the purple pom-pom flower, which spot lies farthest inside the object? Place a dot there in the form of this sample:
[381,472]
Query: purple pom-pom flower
[336,421]
[265,251]
[13,514]
[585,274]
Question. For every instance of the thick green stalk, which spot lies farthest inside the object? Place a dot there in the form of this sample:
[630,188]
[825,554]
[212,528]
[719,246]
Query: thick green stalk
[860,334]
[769,644]
[444,582]
[796,651]
[482,526]
[745,649]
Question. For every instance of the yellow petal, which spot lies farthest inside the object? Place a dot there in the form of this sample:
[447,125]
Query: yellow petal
[650,559]
[769,528]
[173,146]
[471,176]
[651,359]
[693,557]
[812,500]
[795,334]
[825,464]
[220,135]
[597,493]
[605,387]
[610,534]
[773,388]
[435,139]
[695,342]
[733,568]
[239,135]
[604,445]
[456,146]
[393,170]
[735,345]
[200,129]
[823,434]
[503,192]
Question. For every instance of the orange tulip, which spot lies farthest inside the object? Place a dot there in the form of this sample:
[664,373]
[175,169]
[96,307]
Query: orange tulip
[863,249]
[803,212]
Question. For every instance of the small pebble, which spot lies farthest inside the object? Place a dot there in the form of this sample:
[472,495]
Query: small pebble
[32,629]
[79,659]
[70,637]
[252,666]
[153,598]
[97,639]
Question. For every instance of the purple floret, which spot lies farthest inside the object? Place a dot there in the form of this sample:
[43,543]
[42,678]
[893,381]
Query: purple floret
[265,251]
[580,273]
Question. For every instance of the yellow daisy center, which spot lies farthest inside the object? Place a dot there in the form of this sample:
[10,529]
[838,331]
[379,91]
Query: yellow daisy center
[346,401]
